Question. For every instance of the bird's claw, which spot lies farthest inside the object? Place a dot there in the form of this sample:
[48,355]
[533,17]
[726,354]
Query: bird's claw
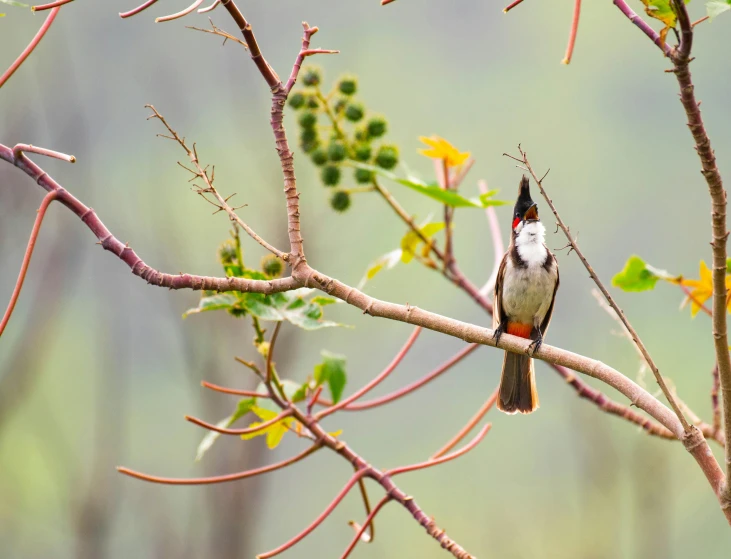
[535,345]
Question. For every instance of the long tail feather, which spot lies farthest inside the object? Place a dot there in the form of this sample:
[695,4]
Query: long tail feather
[518,392]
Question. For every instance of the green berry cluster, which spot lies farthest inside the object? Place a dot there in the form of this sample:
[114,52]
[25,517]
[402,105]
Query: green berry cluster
[337,130]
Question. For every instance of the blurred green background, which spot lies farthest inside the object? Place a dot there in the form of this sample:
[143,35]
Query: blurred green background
[97,368]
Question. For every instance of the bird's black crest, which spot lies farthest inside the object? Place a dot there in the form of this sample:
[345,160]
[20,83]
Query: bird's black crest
[524,201]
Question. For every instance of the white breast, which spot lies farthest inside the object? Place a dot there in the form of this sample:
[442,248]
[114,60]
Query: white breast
[529,243]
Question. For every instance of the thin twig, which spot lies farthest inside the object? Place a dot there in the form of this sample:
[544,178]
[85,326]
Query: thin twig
[572,34]
[50,197]
[510,6]
[376,381]
[270,352]
[321,517]
[50,5]
[246,431]
[220,479]
[360,531]
[30,48]
[692,297]
[367,506]
[444,458]
[194,6]
[234,391]
[454,441]
[410,388]
[18,149]
[201,173]
[138,9]
[220,32]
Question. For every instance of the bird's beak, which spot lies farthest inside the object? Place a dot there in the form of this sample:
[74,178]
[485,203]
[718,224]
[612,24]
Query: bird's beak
[531,214]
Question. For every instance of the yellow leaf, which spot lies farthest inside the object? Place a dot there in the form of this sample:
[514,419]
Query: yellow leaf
[701,289]
[439,148]
[275,432]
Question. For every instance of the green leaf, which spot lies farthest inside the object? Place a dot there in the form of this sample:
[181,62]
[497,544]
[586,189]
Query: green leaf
[213,303]
[332,372]
[300,307]
[485,199]
[635,276]
[244,407]
[323,301]
[717,7]
[410,242]
[638,275]
[433,190]
[14,3]
[728,265]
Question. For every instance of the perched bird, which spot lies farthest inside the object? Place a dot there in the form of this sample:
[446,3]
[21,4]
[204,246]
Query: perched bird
[525,291]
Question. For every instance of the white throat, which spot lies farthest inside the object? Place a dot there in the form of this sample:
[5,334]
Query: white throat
[529,241]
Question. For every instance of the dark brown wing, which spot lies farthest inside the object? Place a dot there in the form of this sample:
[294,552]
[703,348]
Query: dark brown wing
[549,313]
[498,317]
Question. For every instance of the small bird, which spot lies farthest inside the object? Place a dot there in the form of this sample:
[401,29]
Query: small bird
[525,291]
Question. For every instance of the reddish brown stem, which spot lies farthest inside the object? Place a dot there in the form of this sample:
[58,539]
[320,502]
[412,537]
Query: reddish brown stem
[468,427]
[18,150]
[181,13]
[643,26]
[268,73]
[690,296]
[270,353]
[31,46]
[510,6]
[210,8]
[126,254]
[246,431]
[234,391]
[572,33]
[442,459]
[220,479]
[368,521]
[315,523]
[305,51]
[50,197]
[376,381]
[719,234]
[406,390]
[50,5]
[716,424]
[313,399]
[138,9]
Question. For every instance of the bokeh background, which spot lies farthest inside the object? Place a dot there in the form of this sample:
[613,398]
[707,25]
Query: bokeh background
[97,368]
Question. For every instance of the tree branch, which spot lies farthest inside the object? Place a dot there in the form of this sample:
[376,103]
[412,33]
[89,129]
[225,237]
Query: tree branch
[126,254]
[681,60]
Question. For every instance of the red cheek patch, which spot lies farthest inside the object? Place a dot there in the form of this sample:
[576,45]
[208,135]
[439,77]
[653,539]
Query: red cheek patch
[515,222]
